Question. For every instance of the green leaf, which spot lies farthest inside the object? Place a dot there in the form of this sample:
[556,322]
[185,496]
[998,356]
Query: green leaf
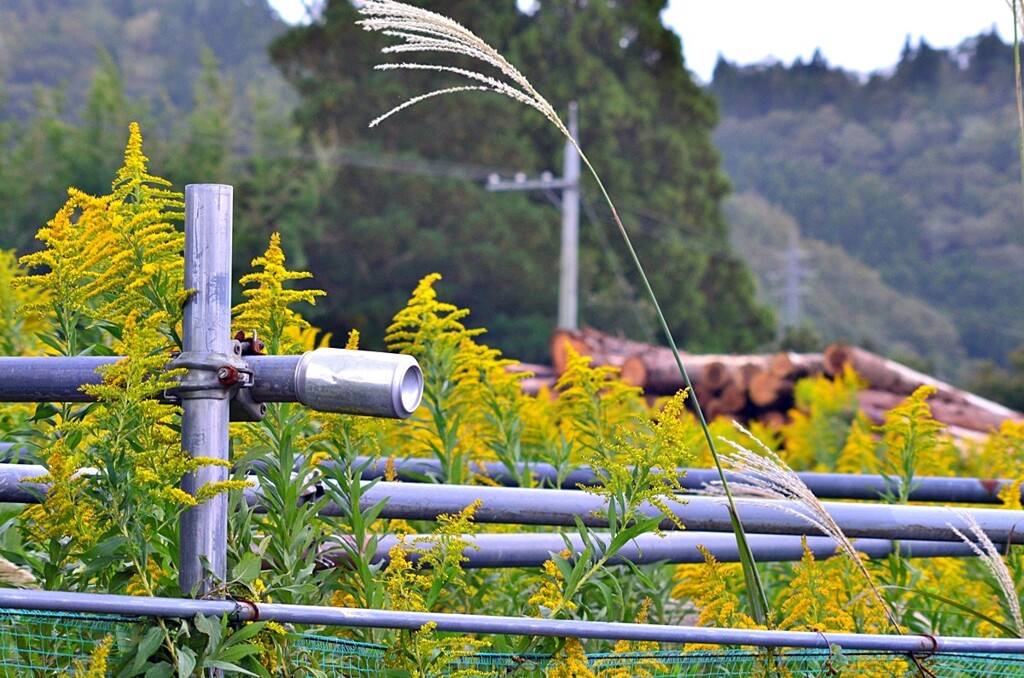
[186,661]
[244,632]
[52,342]
[44,411]
[100,556]
[209,627]
[162,670]
[228,666]
[755,588]
[236,652]
[966,608]
[147,646]
[248,568]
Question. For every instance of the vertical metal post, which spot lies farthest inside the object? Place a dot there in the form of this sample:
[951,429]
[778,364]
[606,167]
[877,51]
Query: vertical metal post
[204,425]
[568,294]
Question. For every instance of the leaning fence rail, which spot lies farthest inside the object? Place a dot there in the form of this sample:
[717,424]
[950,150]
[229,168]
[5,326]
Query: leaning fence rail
[243,611]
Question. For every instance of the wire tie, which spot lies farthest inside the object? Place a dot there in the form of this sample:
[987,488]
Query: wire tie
[832,671]
[250,604]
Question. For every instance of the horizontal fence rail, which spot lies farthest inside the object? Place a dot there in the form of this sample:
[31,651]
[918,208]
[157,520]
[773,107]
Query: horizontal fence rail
[242,611]
[559,508]
[823,485]
[531,550]
[331,380]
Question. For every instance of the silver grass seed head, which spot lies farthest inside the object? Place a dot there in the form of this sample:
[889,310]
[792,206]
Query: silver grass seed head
[423,31]
[989,555]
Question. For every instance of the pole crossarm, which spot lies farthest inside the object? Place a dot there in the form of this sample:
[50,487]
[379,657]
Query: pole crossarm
[569,185]
[244,611]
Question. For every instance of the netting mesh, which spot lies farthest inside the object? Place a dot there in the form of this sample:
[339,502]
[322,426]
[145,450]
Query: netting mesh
[45,643]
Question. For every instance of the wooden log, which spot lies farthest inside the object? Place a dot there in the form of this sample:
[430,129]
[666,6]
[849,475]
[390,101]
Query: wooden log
[710,374]
[604,350]
[882,374]
[561,341]
[633,372]
[790,365]
[733,398]
[767,390]
[772,418]
[534,385]
[533,368]
[876,403]
[715,376]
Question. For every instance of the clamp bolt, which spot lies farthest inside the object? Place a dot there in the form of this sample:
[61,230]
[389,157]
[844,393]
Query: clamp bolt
[227,375]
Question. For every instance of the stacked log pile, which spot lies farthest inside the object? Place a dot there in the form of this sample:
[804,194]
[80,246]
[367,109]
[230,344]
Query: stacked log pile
[760,387]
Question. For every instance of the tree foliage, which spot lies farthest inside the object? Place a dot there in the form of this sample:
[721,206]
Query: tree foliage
[642,120]
[912,173]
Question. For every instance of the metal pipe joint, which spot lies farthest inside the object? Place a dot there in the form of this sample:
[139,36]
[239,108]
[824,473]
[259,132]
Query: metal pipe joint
[359,382]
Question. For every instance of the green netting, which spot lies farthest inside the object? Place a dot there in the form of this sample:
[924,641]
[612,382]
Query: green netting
[44,644]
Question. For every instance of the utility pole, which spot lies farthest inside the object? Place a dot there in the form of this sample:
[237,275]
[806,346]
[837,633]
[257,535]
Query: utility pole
[569,184]
[790,284]
[793,289]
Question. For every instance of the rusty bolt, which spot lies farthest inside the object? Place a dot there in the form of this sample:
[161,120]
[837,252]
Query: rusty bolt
[227,375]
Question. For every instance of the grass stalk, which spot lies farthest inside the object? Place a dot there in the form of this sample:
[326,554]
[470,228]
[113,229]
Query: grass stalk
[422,31]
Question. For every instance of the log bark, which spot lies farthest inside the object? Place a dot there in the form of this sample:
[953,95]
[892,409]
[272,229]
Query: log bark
[875,403]
[761,386]
[561,341]
[789,365]
[767,390]
[710,374]
[882,374]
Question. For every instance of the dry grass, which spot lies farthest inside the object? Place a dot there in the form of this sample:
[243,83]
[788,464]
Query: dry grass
[990,556]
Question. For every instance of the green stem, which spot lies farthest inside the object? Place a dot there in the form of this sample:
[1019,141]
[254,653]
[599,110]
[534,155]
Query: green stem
[757,597]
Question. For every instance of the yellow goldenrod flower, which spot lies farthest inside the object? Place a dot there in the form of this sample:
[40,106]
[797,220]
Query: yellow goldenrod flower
[267,308]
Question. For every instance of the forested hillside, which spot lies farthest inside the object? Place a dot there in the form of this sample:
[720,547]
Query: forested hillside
[914,174]
[75,73]
[370,212]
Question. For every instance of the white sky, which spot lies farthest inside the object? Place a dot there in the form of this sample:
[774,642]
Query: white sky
[859,35]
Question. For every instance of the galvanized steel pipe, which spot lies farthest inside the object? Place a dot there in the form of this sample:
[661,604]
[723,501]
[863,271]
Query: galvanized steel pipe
[531,550]
[181,608]
[369,383]
[520,506]
[206,337]
[823,485]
